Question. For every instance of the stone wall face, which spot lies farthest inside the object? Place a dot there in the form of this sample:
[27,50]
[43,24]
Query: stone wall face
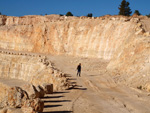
[86,37]
[132,65]
[21,67]
[131,62]
[35,70]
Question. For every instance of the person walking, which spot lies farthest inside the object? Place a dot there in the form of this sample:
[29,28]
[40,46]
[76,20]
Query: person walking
[79,70]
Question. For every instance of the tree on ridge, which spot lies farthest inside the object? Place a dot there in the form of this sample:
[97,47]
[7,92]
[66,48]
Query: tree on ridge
[89,15]
[137,12]
[69,14]
[124,8]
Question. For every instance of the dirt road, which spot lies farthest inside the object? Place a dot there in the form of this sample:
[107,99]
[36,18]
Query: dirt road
[95,91]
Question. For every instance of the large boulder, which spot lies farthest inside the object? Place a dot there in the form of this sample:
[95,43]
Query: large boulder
[48,88]
[36,104]
[31,90]
[14,97]
[40,91]
[34,91]
[29,106]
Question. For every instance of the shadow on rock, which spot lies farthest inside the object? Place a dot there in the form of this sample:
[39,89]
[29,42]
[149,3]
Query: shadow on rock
[53,101]
[47,106]
[59,92]
[59,112]
[48,97]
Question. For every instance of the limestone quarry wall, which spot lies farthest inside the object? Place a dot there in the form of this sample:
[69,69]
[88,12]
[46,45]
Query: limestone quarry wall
[131,62]
[21,67]
[86,37]
[35,69]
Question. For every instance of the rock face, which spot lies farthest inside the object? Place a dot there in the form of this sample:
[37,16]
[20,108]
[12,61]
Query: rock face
[36,70]
[131,61]
[125,41]
[15,97]
[85,37]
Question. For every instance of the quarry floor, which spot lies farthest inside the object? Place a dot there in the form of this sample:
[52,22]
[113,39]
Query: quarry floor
[93,92]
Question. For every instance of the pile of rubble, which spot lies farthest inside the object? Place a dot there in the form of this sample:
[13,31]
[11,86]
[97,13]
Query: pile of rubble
[23,99]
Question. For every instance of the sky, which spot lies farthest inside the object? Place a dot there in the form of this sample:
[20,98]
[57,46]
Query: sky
[76,7]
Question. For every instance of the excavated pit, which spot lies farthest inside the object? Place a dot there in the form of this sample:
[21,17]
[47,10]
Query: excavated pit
[114,52]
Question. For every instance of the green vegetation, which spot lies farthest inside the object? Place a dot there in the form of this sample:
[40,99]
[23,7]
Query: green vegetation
[69,14]
[137,12]
[89,15]
[61,14]
[124,8]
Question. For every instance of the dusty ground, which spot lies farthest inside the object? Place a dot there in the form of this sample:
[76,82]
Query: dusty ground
[94,91]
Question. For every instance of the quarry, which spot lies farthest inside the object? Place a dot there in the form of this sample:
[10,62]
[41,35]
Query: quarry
[39,56]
